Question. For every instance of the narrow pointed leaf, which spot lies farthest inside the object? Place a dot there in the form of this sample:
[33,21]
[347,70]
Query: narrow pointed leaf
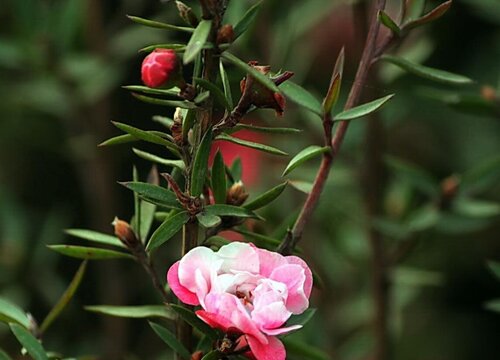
[302,186]
[118,140]
[29,342]
[136,221]
[301,319]
[229,210]
[303,350]
[159,160]
[10,312]
[147,90]
[482,176]
[158,25]
[416,9]
[427,72]
[65,298]
[212,355]
[476,208]
[170,339]
[250,144]
[172,103]
[219,185]
[494,266]
[153,193]
[201,97]
[266,198]
[147,210]
[187,123]
[432,15]
[306,154]
[301,96]
[247,20]
[493,305]
[362,110]
[257,75]
[135,312]
[176,47]
[265,129]
[333,92]
[171,226]
[414,175]
[260,240]
[386,20]
[215,92]
[200,164]
[95,236]
[198,39]
[208,220]
[88,253]
[226,84]
[165,121]
[193,320]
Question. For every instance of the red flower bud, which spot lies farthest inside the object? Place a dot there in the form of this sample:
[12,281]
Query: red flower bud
[159,67]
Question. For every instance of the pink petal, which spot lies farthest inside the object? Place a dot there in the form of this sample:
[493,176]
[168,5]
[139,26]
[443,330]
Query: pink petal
[279,331]
[309,277]
[273,350]
[199,258]
[269,261]
[214,320]
[238,256]
[180,291]
[294,277]
[270,316]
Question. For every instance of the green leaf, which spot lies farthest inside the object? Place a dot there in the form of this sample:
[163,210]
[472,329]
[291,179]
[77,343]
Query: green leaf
[264,129]
[303,350]
[304,155]
[257,75]
[236,170]
[163,120]
[216,241]
[154,194]
[301,97]
[176,47]
[159,160]
[136,312]
[219,185]
[494,266]
[10,312]
[301,319]
[146,209]
[214,91]
[432,15]
[482,176]
[147,136]
[88,253]
[212,355]
[170,339]
[250,144]
[423,218]
[64,299]
[260,240]
[171,226]
[193,320]
[200,164]
[29,342]
[266,198]
[386,20]
[414,175]
[95,236]
[476,208]
[302,186]
[493,305]
[415,9]
[427,72]
[198,39]
[229,210]
[189,117]
[226,84]
[4,355]
[246,20]
[208,220]
[183,104]
[118,140]
[158,25]
[362,110]
[147,90]
[333,92]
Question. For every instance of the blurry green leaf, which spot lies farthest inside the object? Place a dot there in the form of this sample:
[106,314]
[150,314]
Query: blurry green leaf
[171,340]
[165,121]
[304,350]
[257,75]
[229,210]
[208,220]
[226,84]
[333,92]
[64,299]
[153,193]
[10,312]
[304,155]
[212,355]
[266,198]
[302,186]
[201,97]
[301,319]
[216,241]
[236,169]
[183,104]
[427,72]
[29,342]
[362,110]
[423,219]
[198,39]
[262,129]
[260,240]
[95,236]
[158,25]
[388,22]
[494,266]
[451,223]
[147,90]
[432,15]
[193,320]
[301,97]
[88,253]
[175,47]
[171,226]
[247,20]
[250,144]
[391,228]
[416,277]
[159,160]
[216,93]
[476,208]
[141,311]
[414,175]
[416,9]
[118,140]
[493,305]
[4,355]
[200,164]
[482,176]
[218,178]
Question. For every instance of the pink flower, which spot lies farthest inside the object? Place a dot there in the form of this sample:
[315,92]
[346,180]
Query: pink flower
[246,291]
[159,67]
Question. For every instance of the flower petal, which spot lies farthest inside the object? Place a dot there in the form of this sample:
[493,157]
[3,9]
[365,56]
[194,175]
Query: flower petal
[239,256]
[279,331]
[269,261]
[307,271]
[294,277]
[202,259]
[272,350]
[180,291]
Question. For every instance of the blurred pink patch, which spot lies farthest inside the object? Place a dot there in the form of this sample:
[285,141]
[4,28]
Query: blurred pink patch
[245,291]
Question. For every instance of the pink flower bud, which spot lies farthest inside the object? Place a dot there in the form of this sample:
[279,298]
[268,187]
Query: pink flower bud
[159,67]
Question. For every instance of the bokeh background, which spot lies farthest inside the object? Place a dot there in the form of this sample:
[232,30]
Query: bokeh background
[62,63]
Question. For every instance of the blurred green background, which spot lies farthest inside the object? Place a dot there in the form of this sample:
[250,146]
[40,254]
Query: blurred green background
[62,63]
